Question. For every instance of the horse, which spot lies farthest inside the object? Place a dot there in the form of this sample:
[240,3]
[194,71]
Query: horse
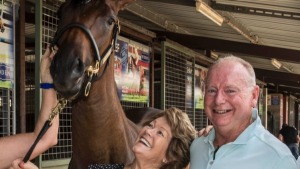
[83,71]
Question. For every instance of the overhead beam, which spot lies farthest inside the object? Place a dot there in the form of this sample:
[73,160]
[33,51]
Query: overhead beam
[284,89]
[276,80]
[262,73]
[255,11]
[290,90]
[283,82]
[135,34]
[202,43]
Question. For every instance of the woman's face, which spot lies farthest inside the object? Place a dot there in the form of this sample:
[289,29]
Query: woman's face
[153,141]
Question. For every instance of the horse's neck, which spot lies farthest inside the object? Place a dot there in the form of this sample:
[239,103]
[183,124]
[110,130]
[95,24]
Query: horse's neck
[101,131]
[102,106]
[103,102]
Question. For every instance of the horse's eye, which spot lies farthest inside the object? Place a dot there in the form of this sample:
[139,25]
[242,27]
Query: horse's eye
[111,20]
[86,2]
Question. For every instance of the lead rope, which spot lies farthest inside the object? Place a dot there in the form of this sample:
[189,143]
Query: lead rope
[55,111]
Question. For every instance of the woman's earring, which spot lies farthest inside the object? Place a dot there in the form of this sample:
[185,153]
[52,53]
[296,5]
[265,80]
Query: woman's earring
[164,161]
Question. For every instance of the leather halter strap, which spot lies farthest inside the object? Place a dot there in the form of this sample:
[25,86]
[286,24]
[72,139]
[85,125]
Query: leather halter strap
[89,34]
[55,111]
[92,71]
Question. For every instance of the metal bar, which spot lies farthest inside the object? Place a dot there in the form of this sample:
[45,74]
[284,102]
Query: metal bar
[8,114]
[20,67]
[12,104]
[163,76]
[193,94]
[152,69]
[38,54]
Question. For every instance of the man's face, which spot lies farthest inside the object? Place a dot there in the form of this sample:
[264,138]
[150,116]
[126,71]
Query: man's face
[229,98]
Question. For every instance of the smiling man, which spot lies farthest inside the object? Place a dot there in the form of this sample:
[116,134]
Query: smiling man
[238,139]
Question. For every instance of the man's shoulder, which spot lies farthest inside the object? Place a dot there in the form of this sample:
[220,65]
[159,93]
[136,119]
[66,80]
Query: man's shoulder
[199,153]
[199,141]
[271,143]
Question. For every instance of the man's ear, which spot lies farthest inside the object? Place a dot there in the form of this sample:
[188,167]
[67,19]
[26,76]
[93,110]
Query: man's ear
[255,95]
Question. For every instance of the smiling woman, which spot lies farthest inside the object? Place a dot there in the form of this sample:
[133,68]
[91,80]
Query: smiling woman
[162,143]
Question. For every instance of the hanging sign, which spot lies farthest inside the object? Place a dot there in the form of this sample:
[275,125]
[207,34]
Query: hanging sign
[7,37]
[131,65]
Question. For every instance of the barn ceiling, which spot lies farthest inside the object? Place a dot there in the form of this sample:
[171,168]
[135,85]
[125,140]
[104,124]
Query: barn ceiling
[256,30]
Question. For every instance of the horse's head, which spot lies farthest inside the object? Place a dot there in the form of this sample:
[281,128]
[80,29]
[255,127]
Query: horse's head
[85,39]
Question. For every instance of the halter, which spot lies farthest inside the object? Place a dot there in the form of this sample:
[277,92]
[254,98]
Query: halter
[55,111]
[92,71]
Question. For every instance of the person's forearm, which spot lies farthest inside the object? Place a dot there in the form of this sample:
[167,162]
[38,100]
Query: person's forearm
[13,147]
[16,146]
[49,101]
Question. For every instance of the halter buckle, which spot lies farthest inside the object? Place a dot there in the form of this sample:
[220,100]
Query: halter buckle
[93,70]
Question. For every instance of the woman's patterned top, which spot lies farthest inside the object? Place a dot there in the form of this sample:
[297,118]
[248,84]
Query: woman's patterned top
[106,166]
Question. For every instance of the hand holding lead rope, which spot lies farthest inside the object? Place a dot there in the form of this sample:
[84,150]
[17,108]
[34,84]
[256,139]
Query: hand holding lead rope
[55,111]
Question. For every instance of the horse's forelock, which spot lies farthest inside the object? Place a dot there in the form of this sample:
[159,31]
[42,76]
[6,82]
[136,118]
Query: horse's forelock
[75,4]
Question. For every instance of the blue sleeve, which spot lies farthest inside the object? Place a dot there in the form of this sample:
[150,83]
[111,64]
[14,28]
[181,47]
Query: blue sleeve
[288,162]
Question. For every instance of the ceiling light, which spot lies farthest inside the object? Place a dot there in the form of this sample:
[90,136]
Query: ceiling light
[279,65]
[276,63]
[209,12]
[214,55]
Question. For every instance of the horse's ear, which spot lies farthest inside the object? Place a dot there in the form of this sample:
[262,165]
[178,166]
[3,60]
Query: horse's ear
[124,3]
[120,4]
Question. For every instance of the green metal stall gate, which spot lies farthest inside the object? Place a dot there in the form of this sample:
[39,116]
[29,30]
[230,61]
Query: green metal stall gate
[175,81]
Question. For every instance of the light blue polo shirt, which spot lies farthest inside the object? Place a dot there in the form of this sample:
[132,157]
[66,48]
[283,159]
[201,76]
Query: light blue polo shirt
[255,148]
